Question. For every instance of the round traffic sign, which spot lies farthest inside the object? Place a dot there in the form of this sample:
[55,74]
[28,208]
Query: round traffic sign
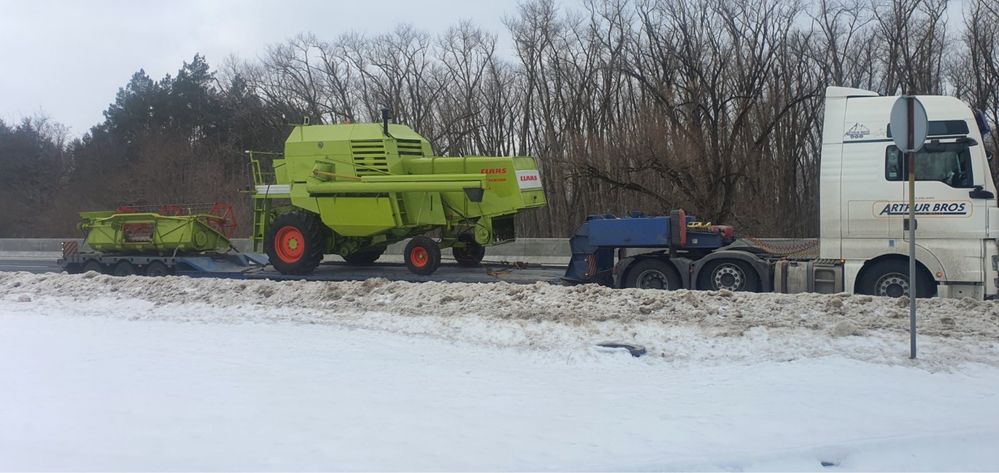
[908,137]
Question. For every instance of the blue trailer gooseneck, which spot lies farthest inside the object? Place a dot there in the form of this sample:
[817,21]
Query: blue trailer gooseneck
[595,242]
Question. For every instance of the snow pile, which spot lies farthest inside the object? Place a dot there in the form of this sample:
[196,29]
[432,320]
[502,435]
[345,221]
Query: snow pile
[103,373]
[678,327]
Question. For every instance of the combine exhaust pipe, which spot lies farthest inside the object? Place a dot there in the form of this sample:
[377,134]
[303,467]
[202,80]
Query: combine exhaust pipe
[386,115]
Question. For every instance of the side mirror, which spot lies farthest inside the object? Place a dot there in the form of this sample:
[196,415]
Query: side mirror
[979,193]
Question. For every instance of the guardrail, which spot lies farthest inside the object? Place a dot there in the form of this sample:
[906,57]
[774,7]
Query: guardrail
[523,248]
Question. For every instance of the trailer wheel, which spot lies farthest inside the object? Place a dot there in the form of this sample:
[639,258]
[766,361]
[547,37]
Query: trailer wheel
[652,273]
[295,242]
[157,269]
[124,268]
[423,255]
[890,278]
[363,258]
[93,265]
[470,255]
[729,274]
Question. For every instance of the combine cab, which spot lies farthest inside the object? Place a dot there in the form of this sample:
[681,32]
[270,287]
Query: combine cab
[353,189]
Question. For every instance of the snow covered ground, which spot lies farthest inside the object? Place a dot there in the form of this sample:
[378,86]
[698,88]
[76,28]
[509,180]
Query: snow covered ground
[101,373]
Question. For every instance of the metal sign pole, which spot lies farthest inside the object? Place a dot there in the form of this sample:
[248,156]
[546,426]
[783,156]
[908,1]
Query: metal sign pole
[911,158]
[909,126]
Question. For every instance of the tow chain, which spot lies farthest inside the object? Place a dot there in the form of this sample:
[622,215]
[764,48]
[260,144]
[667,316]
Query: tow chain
[785,250]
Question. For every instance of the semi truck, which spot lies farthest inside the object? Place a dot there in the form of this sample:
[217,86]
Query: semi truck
[863,211]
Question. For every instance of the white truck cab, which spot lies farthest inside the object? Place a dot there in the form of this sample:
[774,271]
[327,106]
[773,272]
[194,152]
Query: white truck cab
[864,199]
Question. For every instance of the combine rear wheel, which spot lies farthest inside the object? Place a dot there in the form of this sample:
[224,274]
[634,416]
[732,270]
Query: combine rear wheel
[423,256]
[469,255]
[295,242]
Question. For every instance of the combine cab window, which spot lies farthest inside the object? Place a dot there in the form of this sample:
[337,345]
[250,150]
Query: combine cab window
[949,166]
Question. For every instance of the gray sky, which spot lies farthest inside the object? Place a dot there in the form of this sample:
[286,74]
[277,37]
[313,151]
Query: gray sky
[67,59]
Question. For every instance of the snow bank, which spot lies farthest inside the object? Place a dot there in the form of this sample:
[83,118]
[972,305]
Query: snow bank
[107,394]
[676,327]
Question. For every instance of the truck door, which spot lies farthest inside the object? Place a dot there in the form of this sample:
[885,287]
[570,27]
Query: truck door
[950,222]
[946,175]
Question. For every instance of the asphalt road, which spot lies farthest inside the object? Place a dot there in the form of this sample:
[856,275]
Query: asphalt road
[336,271]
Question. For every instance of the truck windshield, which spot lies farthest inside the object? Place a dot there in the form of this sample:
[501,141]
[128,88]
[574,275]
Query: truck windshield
[949,166]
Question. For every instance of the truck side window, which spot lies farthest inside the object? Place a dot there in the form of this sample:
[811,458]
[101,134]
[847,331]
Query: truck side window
[951,167]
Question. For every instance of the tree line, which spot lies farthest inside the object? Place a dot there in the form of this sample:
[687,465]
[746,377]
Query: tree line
[714,106]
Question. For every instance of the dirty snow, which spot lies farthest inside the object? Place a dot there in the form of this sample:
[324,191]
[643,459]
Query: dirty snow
[103,373]
[676,327]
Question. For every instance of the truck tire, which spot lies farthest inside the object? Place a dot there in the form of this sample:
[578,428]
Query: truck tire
[423,255]
[157,269]
[93,265]
[470,255]
[890,278]
[123,268]
[364,258]
[651,273]
[728,274]
[295,242]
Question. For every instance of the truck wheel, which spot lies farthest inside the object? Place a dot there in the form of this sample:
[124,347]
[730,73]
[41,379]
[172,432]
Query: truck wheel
[93,265]
[157,269]
[729,274]
[652,273]
[470,255]
[891,279]
[295,242]
[124,268]
[363,258]
[422,255]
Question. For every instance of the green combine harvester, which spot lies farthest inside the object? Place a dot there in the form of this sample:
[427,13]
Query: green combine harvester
[353,189]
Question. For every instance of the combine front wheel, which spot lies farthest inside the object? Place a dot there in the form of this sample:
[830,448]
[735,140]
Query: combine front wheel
[423,256]
[295,242]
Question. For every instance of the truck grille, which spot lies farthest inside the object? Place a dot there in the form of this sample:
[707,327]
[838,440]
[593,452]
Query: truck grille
[412,148]
[369,157]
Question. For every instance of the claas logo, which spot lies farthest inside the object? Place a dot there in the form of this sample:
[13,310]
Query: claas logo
[529,177]
[493,171]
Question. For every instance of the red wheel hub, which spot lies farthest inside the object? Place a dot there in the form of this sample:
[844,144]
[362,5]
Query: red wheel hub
[289,244]
[419,256]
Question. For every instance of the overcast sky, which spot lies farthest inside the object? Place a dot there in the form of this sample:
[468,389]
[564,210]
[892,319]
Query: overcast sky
[67,59]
